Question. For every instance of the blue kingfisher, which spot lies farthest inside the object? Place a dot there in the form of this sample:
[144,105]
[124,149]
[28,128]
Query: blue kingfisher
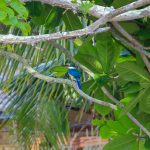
[74,73]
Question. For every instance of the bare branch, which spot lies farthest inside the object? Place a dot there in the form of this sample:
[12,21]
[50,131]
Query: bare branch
[12,39]
[48,79]
[146,48]
[66,4]
[134,14]
[116,12]
[98,11]
[109,95]
[134,43]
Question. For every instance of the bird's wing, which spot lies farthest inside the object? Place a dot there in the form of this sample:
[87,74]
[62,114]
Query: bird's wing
[74,72]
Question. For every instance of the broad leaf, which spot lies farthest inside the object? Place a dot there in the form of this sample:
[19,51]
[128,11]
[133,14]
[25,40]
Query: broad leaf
[125,121]
[97,122]
[145,103]
[3,15]
[130,71]
[131,88]
[124,142]
[72,21]
[102,110]
[105,51]
[19,8]
[106,132]
[88,57]
[130,27]
[142,98]
[100,58]
[59,71]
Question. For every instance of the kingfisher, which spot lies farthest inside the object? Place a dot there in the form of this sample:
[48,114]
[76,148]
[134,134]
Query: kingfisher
[74,73]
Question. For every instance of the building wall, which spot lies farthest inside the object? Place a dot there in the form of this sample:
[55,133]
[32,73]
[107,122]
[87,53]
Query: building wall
[7,140]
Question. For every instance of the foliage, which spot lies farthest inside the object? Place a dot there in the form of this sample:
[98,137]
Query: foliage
[14,13]
[40,106]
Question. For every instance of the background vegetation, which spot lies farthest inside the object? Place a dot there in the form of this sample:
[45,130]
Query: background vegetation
[114,64]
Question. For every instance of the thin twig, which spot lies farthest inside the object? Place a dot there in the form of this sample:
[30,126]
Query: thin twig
[48,79]
[109,95]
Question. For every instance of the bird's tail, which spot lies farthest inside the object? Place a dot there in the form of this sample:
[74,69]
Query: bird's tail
[78,83]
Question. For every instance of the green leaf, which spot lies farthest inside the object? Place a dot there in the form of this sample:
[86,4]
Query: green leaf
[131,88]
[106,132]
[78,42]
[85,6]
[10,12]
[117,127]
[107,52]
[74,1]
[2,4]
[53,19]
[89,86]
[59,71]
[141,97]
[24,27]
[101,79]
[125,121]
[144,34]
[35,8]
[108,2]
[97,122]
[87,56]
[102,109]
[120,3]
[13,21]
[145,102]
[19,8]
[130,71]
[100,58]
[124,142]
[99,108]
[130,27]
[3,15]
[72,21]
[147,142]
[124,59]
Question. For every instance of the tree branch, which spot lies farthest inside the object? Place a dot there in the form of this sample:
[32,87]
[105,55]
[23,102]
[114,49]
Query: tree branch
[93,28]
[108,94]
[103,20]
[98,11]
[134,43]
[132,15]
[12,39]
[48,79]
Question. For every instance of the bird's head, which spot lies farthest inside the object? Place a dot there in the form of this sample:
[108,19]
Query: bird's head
[70,66]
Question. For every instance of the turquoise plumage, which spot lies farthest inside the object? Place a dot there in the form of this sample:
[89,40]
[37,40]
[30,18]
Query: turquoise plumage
[75,74]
